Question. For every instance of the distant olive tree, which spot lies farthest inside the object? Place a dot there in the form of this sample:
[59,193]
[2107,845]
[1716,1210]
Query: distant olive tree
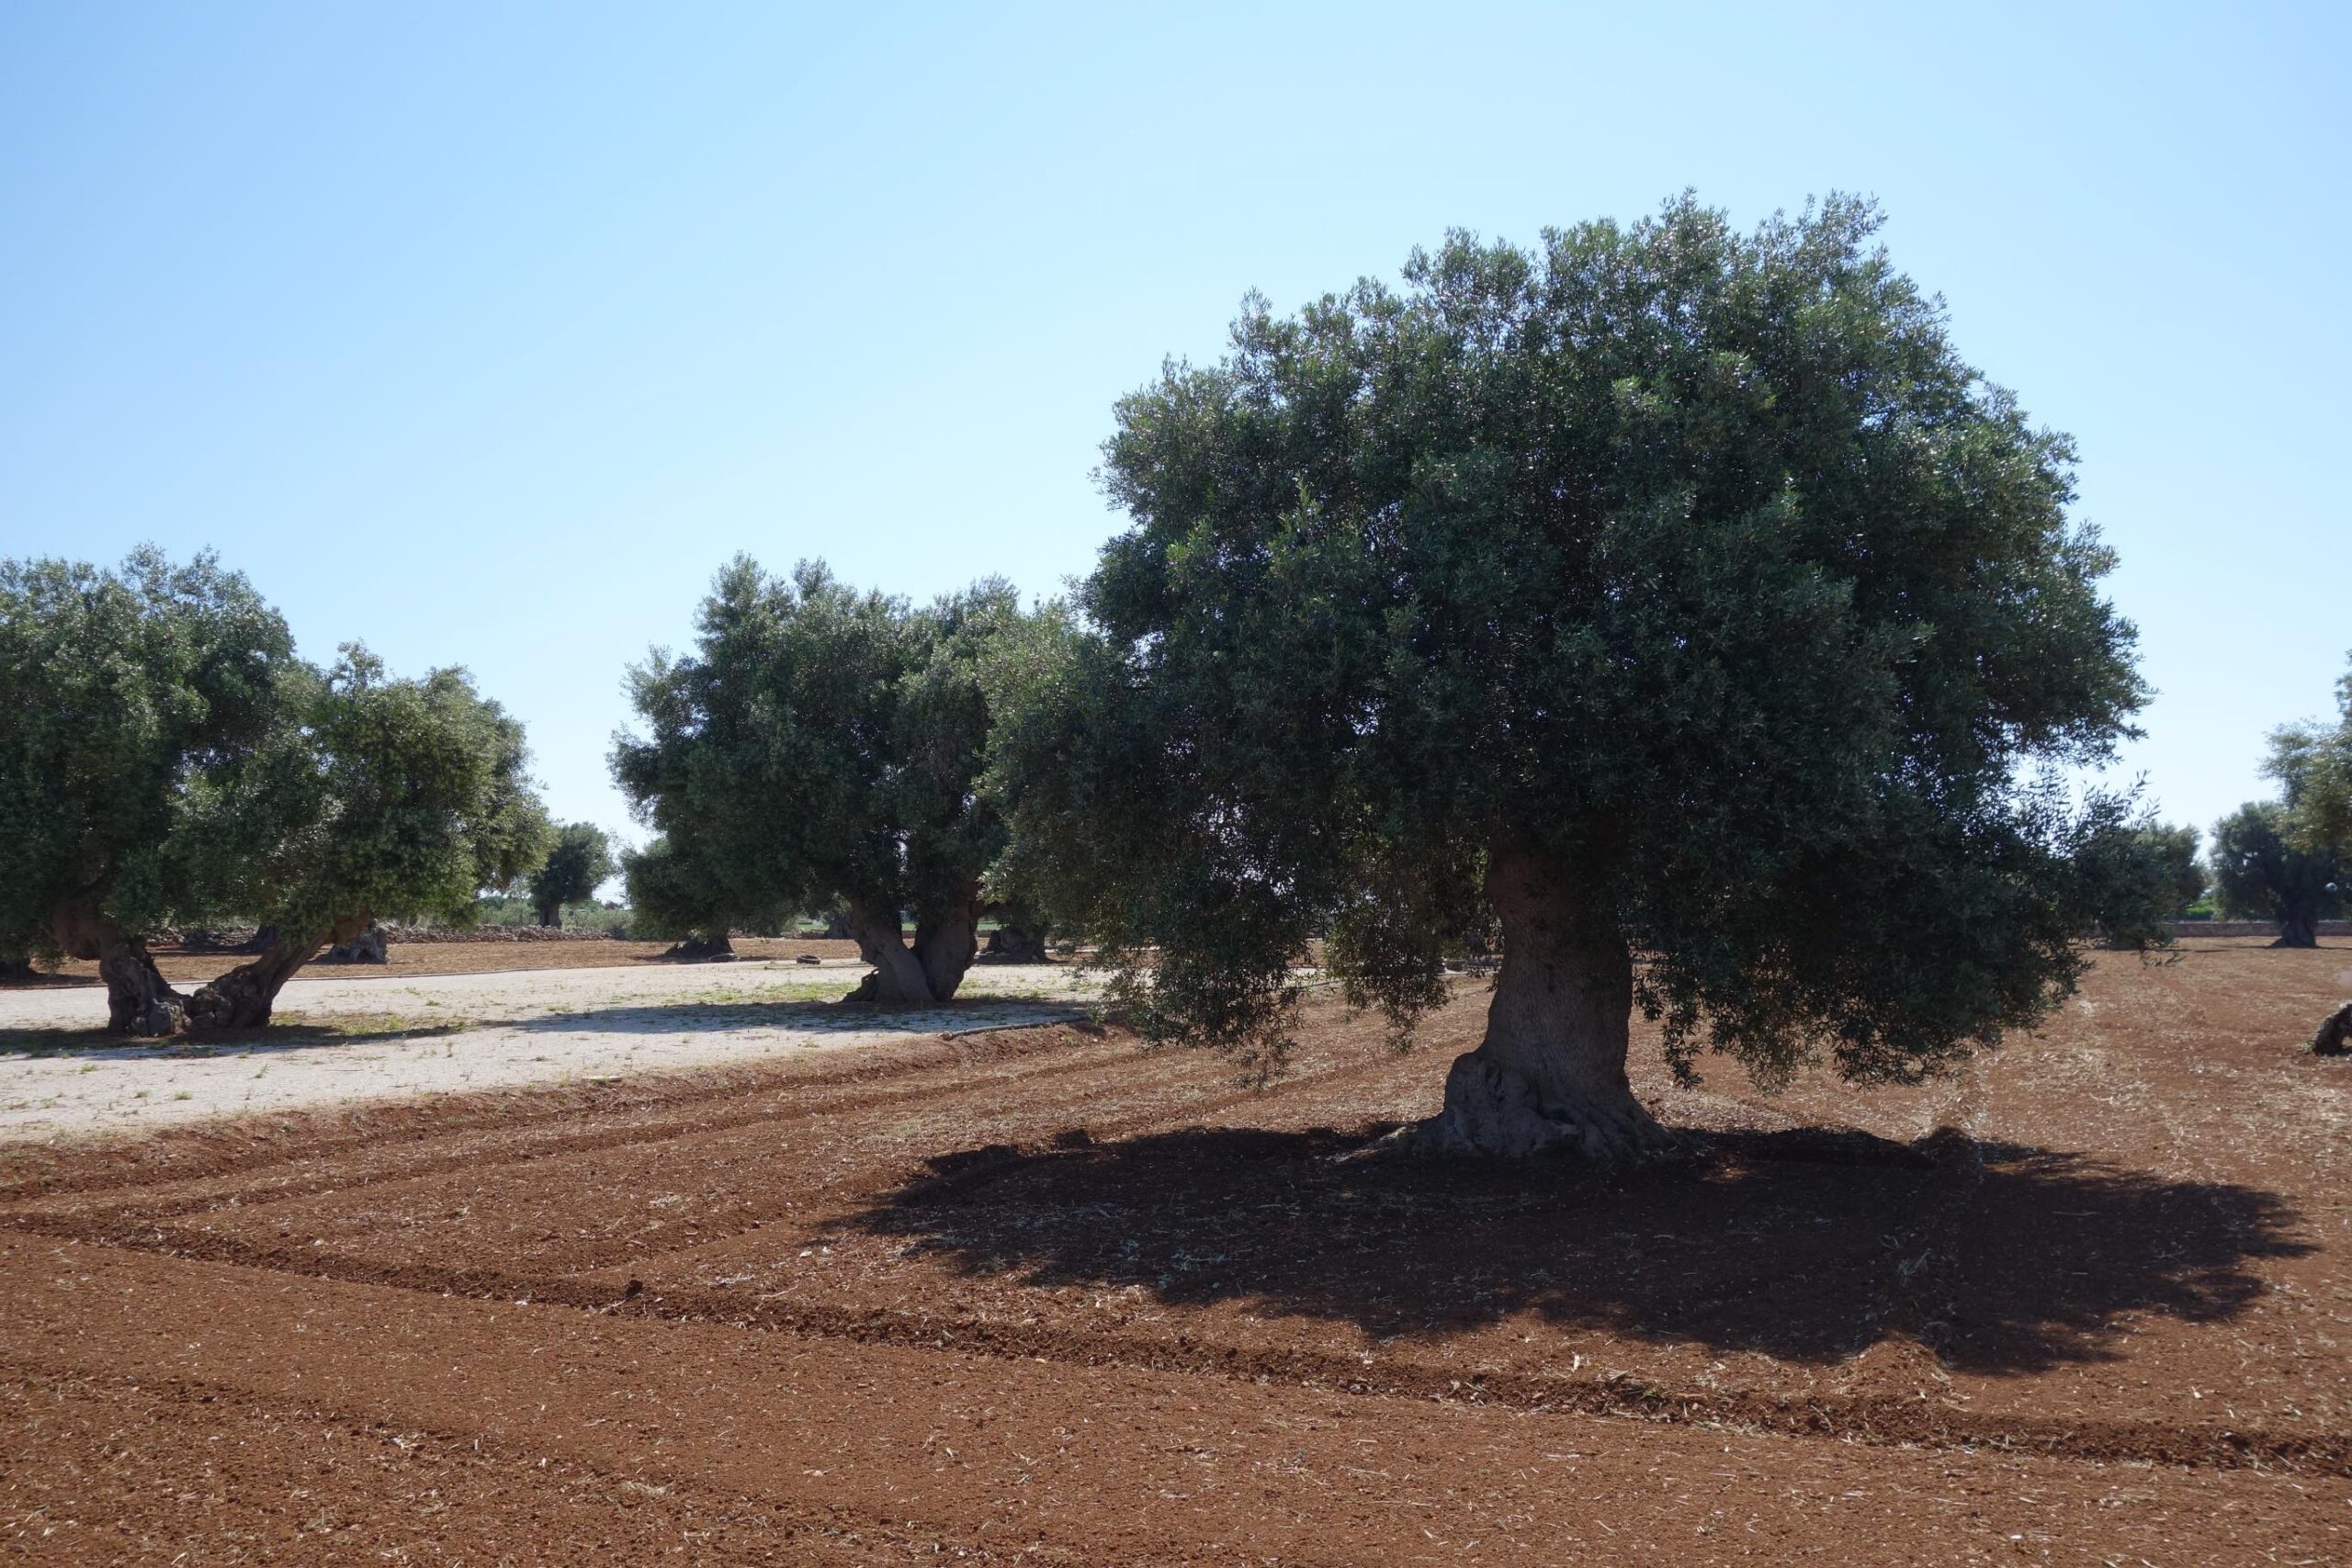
[820,743]
[2259,873]
[1663,590]
[577,865]
[2312,763]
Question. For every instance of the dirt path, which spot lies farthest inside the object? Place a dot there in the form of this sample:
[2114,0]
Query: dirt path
[1037,1295]
[363,1037]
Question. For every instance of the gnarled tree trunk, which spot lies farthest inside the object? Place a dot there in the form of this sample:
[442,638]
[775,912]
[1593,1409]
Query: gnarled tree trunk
[1017,944]
[704,947]
[1550,1076]
[244,997]
[2299,928]
[140,1002]
[946,941]
[898,979]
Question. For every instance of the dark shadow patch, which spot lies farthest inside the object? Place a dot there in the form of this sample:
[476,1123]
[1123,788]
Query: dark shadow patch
[1807,1245]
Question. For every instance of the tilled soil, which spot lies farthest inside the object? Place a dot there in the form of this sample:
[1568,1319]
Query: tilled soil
[1041,1295]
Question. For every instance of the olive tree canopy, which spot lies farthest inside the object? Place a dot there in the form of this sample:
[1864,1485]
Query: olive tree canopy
[125,697]
[1663,590]
[374,796]
[2312,763]
[576,867]
[825,743]
[2261,873]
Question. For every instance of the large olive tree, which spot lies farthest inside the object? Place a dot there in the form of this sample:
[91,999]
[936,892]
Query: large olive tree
[1675,596]
[125,696]
[374,796]
[823,743]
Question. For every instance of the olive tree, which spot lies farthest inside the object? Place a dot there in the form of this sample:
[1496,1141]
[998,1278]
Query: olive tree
[580,862]
[2260,873]
[375,796]
[128,695]
[821,743]
[1675,596]
[2312,763]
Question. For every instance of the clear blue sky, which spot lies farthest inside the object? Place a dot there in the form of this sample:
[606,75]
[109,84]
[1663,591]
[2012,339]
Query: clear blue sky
[485,334]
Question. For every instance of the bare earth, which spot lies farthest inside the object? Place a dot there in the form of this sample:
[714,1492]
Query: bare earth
[1035,1295]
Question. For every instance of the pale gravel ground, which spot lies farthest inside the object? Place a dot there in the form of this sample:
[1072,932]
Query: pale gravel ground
[451,1034]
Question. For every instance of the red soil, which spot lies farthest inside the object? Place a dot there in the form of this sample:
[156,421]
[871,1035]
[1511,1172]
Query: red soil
[1038,1294]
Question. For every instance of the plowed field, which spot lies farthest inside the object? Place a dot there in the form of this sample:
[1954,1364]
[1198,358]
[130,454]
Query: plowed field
[1038,1296]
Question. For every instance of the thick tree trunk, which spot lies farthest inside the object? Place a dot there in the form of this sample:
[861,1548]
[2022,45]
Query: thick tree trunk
[946,941]
[16,964]
[1550,1076]
[706,947]
[2299,928]
[246,996]
[1017,944]
[2335,1035]
[140,1002]
[898,979]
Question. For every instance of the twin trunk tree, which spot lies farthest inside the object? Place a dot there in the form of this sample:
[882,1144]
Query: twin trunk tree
[141,1003]
[928,972]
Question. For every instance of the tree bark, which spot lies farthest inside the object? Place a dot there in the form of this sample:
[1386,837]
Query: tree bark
[704,947]
[1550,1076]
[946,941]
[899,979]
[1017,944]
[2299,928]
[246,997]
[140,1002]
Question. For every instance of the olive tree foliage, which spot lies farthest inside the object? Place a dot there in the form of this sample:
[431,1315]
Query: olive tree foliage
[125,696]
[577,865]
[1662,589]
[373,796]
[2260,873]
[670,896]
[823,743]
[2312,763]
[2139,875]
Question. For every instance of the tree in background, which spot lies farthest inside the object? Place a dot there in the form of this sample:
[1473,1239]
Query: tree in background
[374,796]
[672,896]
[2140,876]
[2259,873]
[2312,763]
[577,865]
[1663,591]
[129,693]
[823,743]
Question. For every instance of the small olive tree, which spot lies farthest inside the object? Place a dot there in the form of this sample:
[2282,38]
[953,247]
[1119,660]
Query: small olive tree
[577,865]
[2261,873]
[2312,763]
[1663,592]
[823,743]
[130,695]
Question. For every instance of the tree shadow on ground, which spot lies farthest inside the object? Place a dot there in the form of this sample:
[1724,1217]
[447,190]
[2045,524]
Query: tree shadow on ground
[814,1016]
[99,1045]
[1807,1246]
